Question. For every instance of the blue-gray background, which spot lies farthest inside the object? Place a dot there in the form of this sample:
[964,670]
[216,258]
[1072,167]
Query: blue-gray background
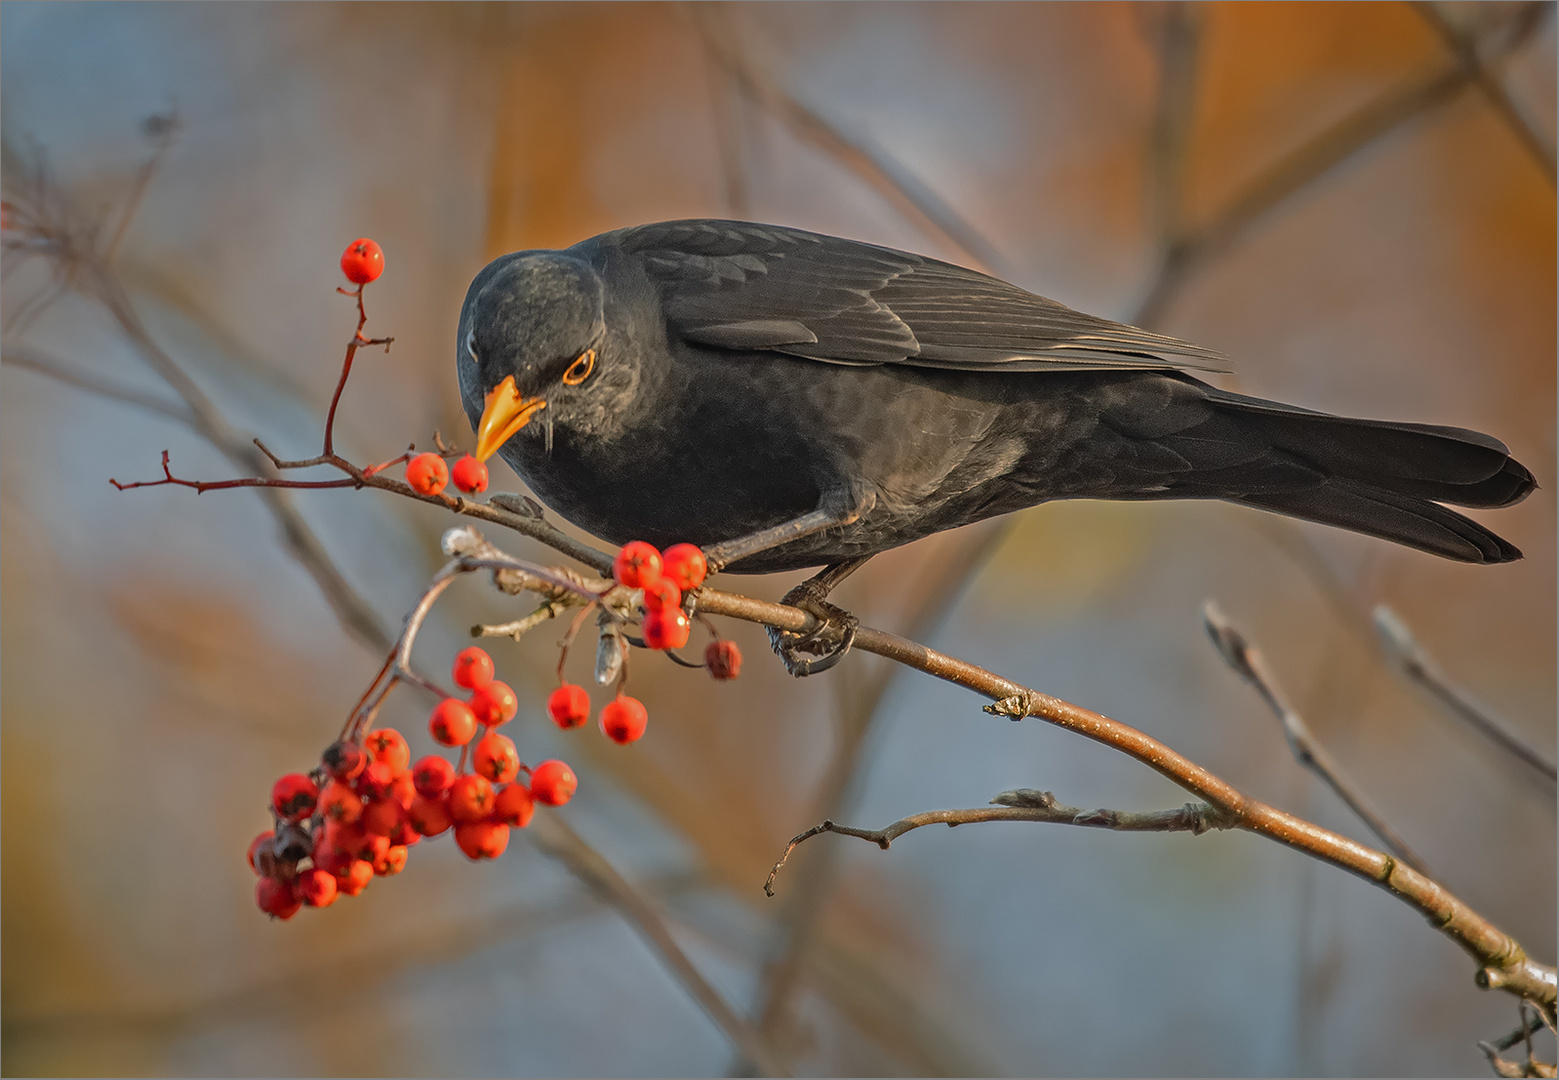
[164,658]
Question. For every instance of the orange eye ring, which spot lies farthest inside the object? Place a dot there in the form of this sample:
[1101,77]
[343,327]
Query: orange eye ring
[580,369]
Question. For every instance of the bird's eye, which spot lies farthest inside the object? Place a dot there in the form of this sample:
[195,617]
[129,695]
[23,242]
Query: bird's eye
[580,369]
[471,343]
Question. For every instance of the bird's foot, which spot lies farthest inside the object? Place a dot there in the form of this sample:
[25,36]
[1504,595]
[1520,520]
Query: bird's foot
[829,642]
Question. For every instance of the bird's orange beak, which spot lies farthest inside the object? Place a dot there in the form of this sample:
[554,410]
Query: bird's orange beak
[505,413]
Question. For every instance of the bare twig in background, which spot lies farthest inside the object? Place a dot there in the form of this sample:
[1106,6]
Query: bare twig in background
[858,713]
[885,175]
[725,103]
[1467,50]
[1248,663]
[1532,1021]
[553,835]
[1173,115]
[36,360]
[1023,804]
[1309,162]
[1411,658]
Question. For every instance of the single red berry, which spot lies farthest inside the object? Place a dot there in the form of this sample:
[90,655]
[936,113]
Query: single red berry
[661,595]
[569,706]
[685,564]
[427,474]
[389,746]
[553,783]
[470,475]
[362,261]
[470,798]
[381,817]
[514,805]
[404,789]
[723,659]
[293,797]
[277,898]
[405,834]
[473,668]
[429,816]
[317,888]
[432,776]
[338,802]
[453,723]
[344,760]
[496,758]
[356,878]
[623,720]
[392,862]
[636,565]
[376,780]
[665,629]
[482,839]
[256,855]
[494,703]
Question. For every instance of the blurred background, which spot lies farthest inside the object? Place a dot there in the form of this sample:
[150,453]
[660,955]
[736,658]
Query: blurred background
[1356,202]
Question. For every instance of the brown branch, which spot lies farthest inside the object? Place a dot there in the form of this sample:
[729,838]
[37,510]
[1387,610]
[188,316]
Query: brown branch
[1024,804]
[880,171]
[1503,964]
[1465,48]
[1250,665]
[1420,668]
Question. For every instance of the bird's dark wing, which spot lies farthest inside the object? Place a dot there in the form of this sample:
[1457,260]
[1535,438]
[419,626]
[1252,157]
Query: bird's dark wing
[744,286]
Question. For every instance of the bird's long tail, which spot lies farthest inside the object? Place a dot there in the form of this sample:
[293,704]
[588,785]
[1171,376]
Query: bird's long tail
[1375,477]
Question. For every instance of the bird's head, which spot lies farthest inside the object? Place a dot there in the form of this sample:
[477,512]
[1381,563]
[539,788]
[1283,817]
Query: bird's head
[533,345]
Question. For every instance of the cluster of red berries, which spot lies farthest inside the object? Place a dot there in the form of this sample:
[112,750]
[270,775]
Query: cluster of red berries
[664,578]
[361,811]
[428,474]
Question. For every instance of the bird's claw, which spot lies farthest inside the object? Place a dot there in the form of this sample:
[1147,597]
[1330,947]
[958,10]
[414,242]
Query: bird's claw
[829,642]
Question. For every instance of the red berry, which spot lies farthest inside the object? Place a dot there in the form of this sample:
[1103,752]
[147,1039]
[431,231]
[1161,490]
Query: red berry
[404,789]
[362,261]
[623,721]
[569,706]
[661,595]
[636,565]
[494,704]
[482,839]
[432,776]
[453,723]
[316,888]
[392,862]
[684,564]
[376,780]
[328,857]
[427,474]
[356,878]
[277,898]
[496,758]
[553,783]
[389,746]
[293,797]
[723,659]
[255,845]
[470,475]
[381,817]
[405,834]
[338,802]
[344,760]
[665,629]
[514,805]
[429,816]
[473,668]
[470,798]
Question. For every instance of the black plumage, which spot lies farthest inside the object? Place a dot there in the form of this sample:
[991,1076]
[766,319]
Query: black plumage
[787,399]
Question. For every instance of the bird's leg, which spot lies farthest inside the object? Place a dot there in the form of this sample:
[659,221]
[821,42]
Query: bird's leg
[830,641]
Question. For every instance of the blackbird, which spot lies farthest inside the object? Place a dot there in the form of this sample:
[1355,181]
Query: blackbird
[787,399]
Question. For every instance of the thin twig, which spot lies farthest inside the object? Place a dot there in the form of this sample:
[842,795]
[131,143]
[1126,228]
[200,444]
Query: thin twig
[1420,668]
[554,836]
[884,174]
[1248,663]
[1024,804]
[1465,48]
[35,360]
[1311,161]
